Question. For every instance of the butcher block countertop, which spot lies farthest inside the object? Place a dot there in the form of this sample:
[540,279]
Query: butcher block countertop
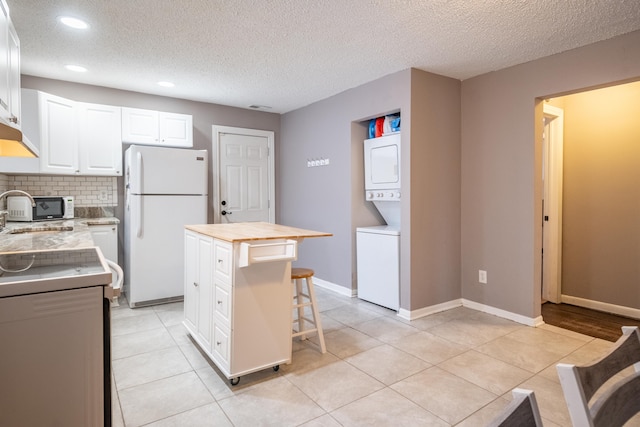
[247,231]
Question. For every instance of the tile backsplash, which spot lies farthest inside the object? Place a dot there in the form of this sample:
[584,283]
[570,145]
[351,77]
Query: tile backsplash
[4,183]
[88,191]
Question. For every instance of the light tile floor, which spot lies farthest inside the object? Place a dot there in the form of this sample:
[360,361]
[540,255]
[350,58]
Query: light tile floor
[457,367]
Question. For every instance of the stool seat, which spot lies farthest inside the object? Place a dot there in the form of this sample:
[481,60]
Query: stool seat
[301,273]
[301,300]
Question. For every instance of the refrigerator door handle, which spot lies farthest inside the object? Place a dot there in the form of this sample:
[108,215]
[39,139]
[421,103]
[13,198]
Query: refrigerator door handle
[139,220]
[139,167]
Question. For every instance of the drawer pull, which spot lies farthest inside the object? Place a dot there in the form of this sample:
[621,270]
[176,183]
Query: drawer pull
[218,343]
[219,302]
[195,284]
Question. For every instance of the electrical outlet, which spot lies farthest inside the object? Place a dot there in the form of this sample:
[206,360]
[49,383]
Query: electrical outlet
[482,276]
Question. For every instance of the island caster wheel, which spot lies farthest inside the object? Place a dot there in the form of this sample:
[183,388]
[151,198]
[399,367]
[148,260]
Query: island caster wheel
[276,368]
[234,381]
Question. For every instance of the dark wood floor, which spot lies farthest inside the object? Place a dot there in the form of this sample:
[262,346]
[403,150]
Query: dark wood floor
[585,321]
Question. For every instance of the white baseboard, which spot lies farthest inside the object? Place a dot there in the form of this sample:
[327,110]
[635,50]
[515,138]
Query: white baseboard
[416,314]
[529,321]
[602,306]
[334,288]
[425,311]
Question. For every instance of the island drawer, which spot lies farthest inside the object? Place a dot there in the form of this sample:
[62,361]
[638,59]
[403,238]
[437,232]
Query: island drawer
[223,255]
[221,345]
[222,302]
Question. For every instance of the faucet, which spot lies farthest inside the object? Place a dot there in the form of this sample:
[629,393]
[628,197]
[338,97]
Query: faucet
[3,213]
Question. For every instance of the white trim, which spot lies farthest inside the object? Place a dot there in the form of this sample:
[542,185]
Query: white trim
[433,309]
[334,288]
[529,321]
[215,164]
[552,233]
[426,311]
[602,306]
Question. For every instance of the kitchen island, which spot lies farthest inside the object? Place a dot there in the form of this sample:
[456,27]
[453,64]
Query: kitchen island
[238,294]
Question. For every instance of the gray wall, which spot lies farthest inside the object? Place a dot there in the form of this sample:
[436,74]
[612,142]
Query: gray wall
[601,197]
[204,115]
[332,198]
[501,165]
[434,224]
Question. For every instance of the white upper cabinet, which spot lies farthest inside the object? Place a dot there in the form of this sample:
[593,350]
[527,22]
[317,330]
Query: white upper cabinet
[74,138]
[9,69]
[4,60]
[149,127]
[58,135]
[100,146]
[14,77]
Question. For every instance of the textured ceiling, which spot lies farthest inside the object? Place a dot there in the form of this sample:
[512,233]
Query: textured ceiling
[290,53]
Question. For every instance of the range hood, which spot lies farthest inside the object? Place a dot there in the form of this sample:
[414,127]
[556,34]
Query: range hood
[13,143]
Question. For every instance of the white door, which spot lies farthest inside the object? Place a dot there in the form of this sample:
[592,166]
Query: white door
[244,185]
[552,164]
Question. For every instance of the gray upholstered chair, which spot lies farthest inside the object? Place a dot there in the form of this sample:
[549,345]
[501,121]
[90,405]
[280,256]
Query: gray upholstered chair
[618,401]
[521,412]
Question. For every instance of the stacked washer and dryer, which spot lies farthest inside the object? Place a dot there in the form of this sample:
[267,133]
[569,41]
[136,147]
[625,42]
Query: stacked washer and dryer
[378,247]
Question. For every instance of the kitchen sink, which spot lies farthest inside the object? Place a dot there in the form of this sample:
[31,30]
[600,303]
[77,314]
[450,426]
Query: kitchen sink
[48,229]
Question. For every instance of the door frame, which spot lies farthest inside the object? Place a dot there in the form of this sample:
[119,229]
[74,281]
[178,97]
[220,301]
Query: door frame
[217,131]
[552,230]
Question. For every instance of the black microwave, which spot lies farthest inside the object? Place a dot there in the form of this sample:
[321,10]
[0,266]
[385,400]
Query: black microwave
[20,208]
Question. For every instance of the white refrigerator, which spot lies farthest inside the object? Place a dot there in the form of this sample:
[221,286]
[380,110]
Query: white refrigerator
[165,189]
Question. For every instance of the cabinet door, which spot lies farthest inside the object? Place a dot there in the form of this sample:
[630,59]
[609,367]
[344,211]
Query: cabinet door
[100,139]
[140,126]
[4,62]
[58,135]
[52,359]
[106,238]
[176,130]
[205,285]
[14,76]
[191,291]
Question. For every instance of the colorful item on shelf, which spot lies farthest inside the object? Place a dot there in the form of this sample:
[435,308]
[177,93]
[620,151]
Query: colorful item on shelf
[395,124]
[379,127]
[372,128]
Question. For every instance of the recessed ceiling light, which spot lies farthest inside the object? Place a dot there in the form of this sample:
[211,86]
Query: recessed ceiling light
[166,84]
[76,23]
[76,68]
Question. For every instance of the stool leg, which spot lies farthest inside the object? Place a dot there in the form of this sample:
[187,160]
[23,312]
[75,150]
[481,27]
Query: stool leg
[299,301]
[316,314]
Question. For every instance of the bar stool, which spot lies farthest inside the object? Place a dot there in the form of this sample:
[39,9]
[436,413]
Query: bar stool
[302,300]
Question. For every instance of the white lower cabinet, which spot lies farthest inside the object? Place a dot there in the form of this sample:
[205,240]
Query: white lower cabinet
[105,236]
[241,318]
